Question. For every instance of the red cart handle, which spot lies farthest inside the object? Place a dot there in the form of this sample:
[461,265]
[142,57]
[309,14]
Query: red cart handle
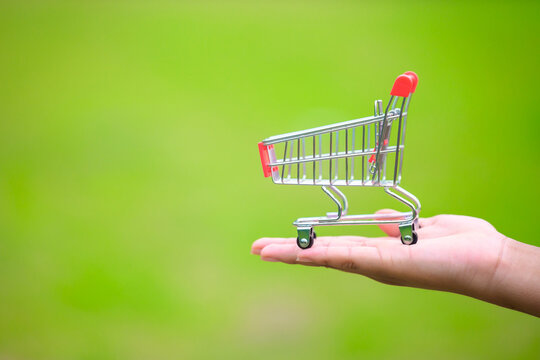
[414,79]
[405,84]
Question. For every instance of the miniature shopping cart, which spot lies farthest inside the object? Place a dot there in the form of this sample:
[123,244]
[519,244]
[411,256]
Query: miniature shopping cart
[361,152]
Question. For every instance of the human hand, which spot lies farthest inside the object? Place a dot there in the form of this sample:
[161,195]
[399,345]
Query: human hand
[454,253]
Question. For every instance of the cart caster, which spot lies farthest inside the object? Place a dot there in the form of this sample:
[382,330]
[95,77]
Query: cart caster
[305,238]
[410,239]
[408,234]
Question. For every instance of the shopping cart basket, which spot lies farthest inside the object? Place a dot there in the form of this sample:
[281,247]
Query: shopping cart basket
[361,152]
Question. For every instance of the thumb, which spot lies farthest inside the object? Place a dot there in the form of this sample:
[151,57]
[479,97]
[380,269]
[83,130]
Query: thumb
[390,229]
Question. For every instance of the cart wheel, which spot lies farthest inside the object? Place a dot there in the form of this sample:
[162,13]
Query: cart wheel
[409,240]
[304,243]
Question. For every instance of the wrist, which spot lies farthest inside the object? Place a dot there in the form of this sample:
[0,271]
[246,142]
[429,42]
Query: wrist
[514,283]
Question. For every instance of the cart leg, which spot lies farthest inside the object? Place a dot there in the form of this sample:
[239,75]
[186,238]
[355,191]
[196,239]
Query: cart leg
[408,227]
[408,233]
[305,238]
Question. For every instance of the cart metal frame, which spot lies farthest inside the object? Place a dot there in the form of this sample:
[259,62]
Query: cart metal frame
[368,156]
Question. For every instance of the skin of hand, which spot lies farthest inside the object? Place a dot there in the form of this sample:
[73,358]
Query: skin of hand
[454,253]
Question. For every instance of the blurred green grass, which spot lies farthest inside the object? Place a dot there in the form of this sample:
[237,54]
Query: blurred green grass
[131,188]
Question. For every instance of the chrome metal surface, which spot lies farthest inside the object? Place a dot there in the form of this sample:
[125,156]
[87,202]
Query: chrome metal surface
[406,231]
[305,236]
[326,129]
[397,192]
[343,206]
[362,152]
[300,157]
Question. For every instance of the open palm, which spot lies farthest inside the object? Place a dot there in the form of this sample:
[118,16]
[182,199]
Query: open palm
[454,253]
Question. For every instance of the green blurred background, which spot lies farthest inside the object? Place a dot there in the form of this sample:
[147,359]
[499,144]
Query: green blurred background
[131,187]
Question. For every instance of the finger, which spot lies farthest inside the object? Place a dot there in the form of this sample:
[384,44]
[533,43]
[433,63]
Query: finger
[365,260]
[389,229]
[286,253]
[290,252]
[393,229]
[430,221]
[389,262]
[260,244]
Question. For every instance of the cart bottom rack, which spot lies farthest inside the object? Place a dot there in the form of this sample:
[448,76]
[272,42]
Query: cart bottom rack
[407,221]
